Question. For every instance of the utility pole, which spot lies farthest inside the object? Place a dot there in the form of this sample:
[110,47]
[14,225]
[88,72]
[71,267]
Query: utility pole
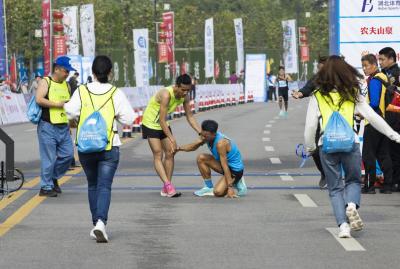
[155,42]
[5,35]
[51,38]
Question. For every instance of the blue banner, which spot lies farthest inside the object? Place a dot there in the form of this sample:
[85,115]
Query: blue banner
[2,43]
[39,67]
[22,70]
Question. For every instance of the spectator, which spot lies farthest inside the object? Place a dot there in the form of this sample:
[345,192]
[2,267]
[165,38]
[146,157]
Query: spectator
[376,145]
[35,84]
[233,79]
[55,145]
[73,82]
[387,61]
[307,91]
[271,79]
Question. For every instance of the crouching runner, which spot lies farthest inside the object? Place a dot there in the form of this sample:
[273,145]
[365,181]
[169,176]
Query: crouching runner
[225,158]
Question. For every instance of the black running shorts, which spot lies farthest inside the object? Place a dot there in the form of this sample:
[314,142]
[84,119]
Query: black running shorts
[284,92]
[236,175]
[152,133]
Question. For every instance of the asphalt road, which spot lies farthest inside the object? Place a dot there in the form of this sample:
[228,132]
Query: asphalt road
[281,223]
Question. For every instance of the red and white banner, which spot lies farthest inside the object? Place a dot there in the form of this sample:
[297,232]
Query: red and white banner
[162,53]
[13,70]
[46,35]
[59,46]
[216,69]
[13,108]
[168,19]
[304,54]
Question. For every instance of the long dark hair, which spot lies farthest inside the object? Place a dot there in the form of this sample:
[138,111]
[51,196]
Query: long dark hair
[338,75]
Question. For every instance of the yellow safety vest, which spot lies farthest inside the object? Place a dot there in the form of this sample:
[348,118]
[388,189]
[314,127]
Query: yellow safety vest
[102,102]
[151,116]
[326,107]
[58,92]
[382,106]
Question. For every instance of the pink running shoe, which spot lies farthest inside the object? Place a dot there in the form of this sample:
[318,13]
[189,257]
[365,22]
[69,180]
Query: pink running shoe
[163,192]
[171,192]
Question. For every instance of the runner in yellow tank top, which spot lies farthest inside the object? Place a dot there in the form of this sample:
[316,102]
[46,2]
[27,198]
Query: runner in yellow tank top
[156,128]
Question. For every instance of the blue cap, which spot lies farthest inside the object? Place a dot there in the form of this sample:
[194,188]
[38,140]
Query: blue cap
[63,61]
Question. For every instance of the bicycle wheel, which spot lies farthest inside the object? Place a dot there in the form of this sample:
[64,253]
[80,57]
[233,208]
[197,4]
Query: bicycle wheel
[15,183]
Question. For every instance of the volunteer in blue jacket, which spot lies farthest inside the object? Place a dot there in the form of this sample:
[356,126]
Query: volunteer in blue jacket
[100,167]
[339,90]
[225,158]
[376,146]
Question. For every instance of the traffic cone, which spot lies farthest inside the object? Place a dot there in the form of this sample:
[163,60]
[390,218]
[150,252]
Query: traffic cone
[233,99]
[140,119]
[126,131]
[136,125]
[201,104]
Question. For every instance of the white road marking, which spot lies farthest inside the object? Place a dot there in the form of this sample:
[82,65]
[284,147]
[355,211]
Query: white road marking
[271,121]
[275,160]
[269,148]
[266,139]
[276,117]
[305,200]
[267,131]
[349,244]
[286,178]
[268,126]
[31,130]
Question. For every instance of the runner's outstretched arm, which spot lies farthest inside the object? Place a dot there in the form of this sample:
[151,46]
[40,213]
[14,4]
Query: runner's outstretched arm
[189,116]
[192,146]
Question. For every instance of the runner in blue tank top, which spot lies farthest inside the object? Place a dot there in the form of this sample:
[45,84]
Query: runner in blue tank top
[225,158]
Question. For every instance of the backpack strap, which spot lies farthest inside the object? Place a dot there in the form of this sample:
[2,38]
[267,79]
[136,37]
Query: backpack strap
[113,88]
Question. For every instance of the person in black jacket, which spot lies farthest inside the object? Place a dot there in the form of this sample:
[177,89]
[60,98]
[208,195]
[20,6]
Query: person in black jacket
[306,91]
[387,61]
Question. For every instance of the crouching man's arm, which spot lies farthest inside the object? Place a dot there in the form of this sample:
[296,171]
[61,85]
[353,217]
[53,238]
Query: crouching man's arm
[192,146]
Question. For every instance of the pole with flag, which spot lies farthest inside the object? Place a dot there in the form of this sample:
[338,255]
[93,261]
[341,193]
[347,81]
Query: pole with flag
[3,41]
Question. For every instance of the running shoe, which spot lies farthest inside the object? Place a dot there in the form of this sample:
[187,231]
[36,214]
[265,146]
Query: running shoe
[100,232]
[92,235]
[241,187]
[356,223]
[344,230]
[285,114]
[171,192]
[163,192]
[281,114]
[205,191]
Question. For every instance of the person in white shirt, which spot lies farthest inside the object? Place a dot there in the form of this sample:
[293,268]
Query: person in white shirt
[100,167]
[338,90]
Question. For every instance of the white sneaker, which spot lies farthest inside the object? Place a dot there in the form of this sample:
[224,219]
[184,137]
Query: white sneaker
[344,230]
[92,235]
[356,222]
[100,232]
